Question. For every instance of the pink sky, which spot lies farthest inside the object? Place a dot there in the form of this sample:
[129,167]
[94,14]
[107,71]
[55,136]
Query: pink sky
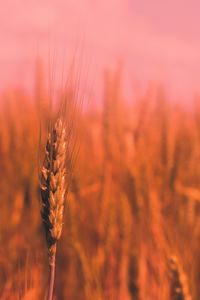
[156,40]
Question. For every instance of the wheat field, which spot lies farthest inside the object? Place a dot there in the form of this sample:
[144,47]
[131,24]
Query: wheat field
[131,223]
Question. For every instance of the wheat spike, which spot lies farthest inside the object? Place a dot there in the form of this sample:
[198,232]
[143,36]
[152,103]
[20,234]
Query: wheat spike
[53,186]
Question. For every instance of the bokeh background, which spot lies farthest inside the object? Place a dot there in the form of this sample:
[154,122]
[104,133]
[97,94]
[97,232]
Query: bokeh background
[132,220]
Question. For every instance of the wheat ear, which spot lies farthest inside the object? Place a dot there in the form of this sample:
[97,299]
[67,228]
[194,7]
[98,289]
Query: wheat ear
[53,191]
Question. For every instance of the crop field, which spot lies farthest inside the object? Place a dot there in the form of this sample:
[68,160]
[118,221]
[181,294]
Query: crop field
[130,227]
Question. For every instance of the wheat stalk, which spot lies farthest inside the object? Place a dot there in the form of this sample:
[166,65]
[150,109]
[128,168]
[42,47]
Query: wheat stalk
[53,191]
[180,287]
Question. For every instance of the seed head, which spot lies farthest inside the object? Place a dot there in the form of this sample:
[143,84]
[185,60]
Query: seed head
[53,185]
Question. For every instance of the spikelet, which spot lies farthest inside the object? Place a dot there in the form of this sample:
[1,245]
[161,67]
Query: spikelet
[53,185]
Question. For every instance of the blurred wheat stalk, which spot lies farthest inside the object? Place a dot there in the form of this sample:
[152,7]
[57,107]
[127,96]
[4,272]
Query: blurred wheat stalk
[134,216]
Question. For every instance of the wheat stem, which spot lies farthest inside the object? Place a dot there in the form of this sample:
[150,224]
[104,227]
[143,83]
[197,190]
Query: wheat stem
[52,277]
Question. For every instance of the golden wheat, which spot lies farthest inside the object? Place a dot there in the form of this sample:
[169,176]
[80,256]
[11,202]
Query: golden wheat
[53,188]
